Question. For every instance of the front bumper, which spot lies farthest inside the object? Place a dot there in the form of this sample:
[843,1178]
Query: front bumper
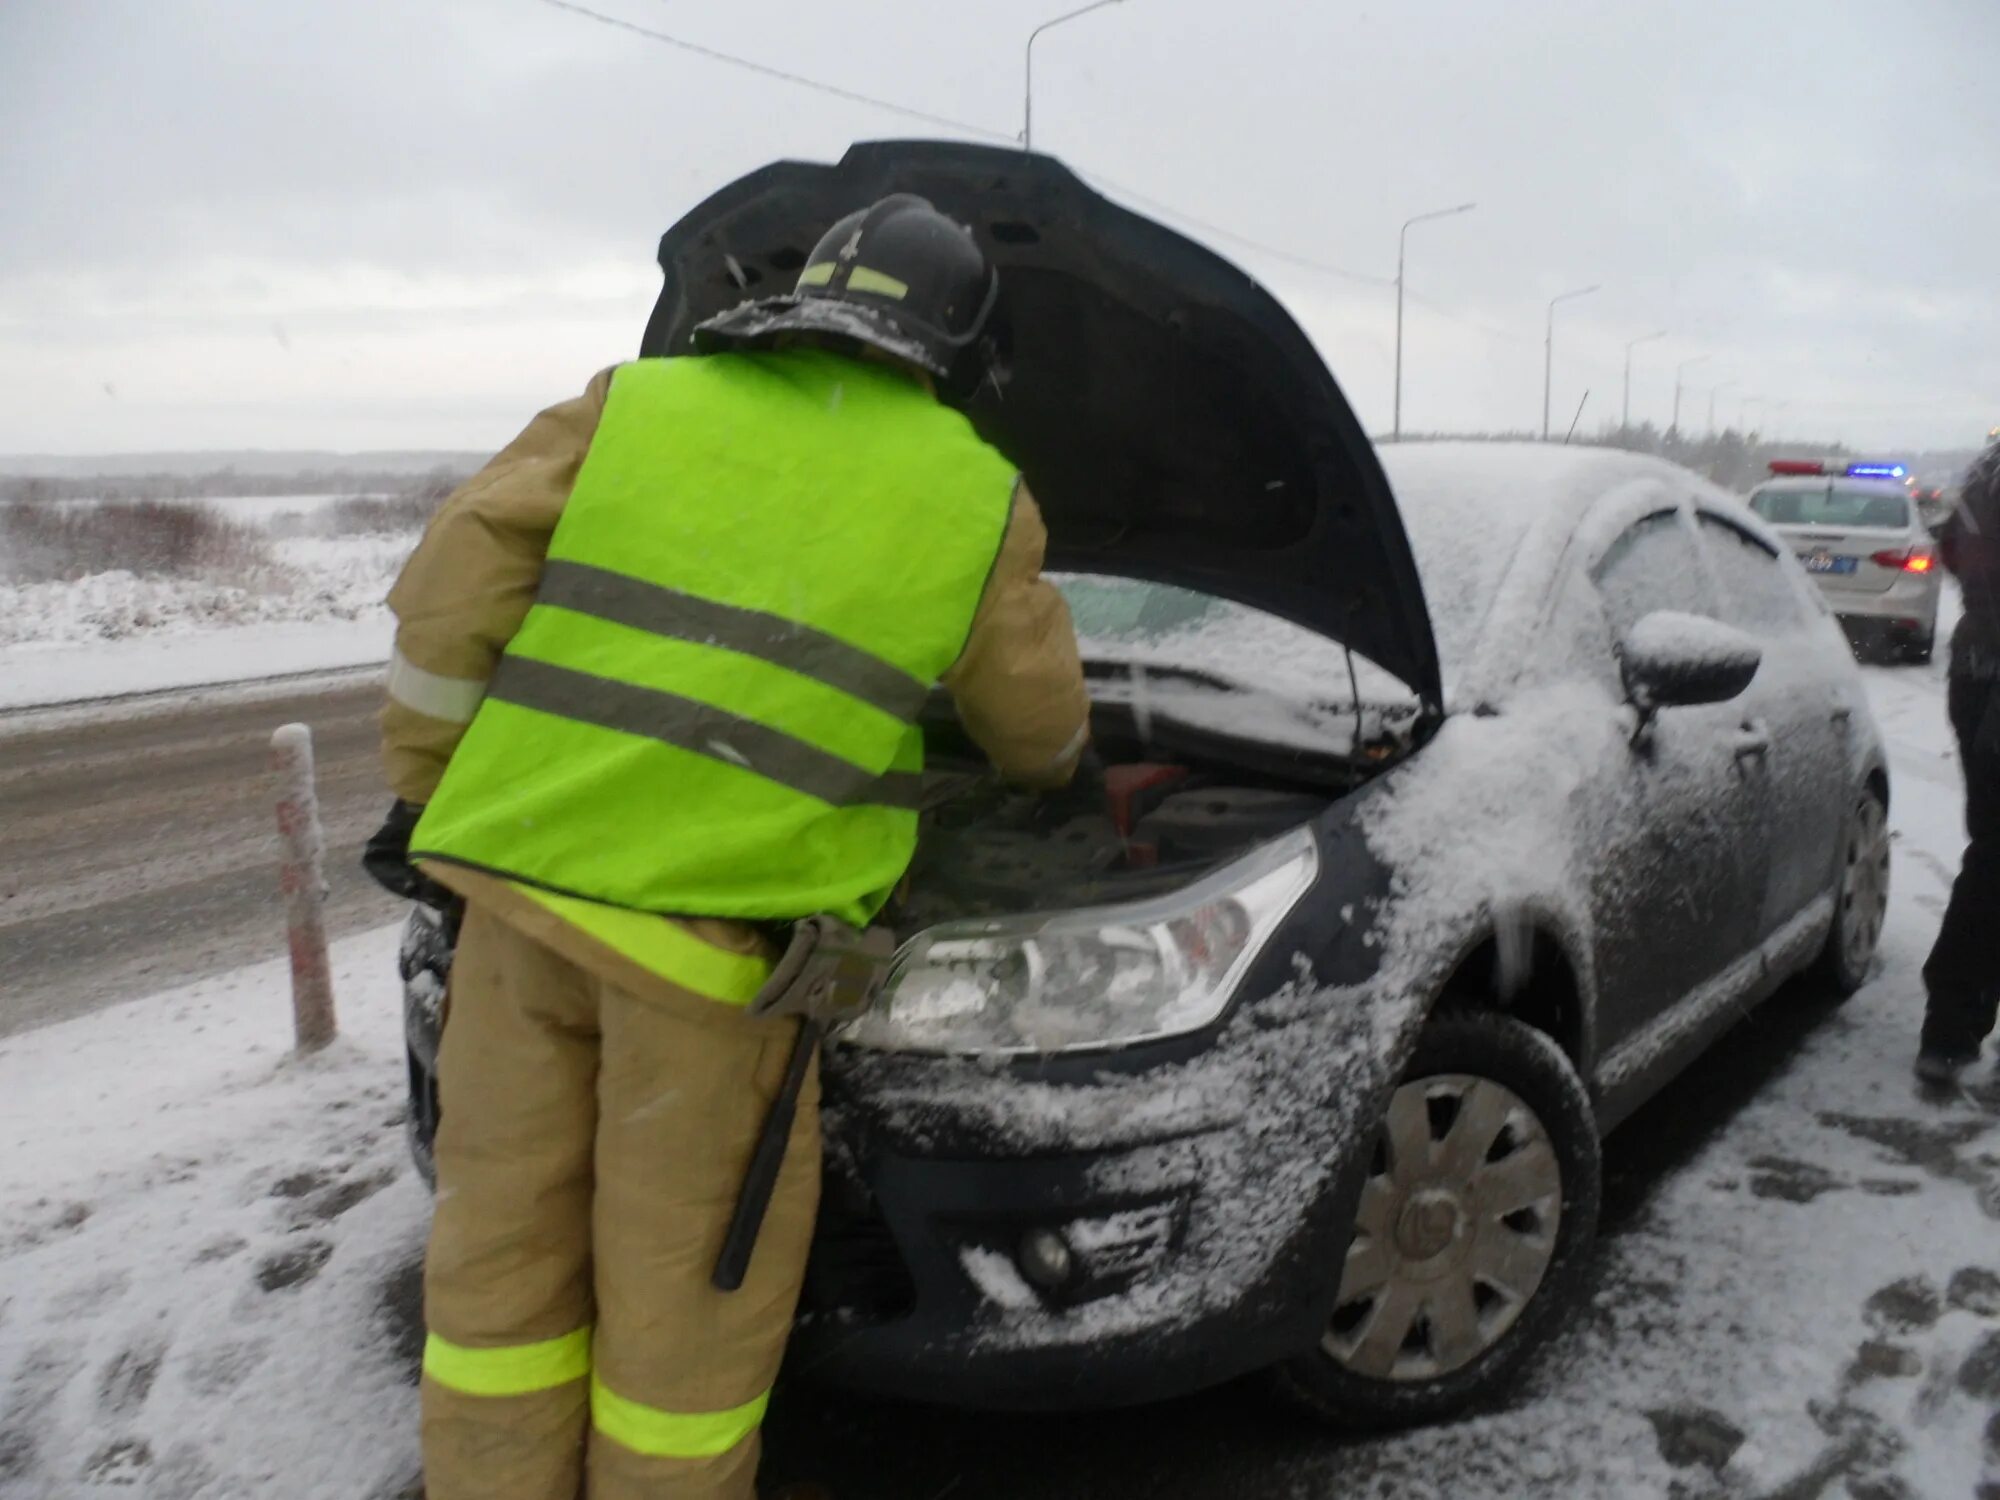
[1202,1201]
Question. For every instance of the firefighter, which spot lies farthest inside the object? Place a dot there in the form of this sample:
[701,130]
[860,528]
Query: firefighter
[1962,974]
[657,672]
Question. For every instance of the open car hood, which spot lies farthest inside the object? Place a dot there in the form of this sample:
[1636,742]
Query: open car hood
[1172,420]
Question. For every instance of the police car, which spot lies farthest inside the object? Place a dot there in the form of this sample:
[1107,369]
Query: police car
[1858,532]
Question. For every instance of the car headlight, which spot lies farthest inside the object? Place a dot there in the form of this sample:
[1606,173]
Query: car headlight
[1100,977]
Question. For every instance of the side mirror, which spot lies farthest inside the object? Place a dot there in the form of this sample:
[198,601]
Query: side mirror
[1675,660]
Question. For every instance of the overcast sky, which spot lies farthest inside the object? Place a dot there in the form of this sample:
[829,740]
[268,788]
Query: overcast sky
[411,223]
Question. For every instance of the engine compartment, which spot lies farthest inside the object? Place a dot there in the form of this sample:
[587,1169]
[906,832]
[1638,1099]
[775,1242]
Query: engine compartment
[1161,814]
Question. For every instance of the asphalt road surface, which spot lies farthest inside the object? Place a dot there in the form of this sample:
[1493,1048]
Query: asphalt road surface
[138,842]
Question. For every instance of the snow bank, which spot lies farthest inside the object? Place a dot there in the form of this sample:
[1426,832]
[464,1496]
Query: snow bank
[208,1248]
[318,580]
[118,633]
[33,676]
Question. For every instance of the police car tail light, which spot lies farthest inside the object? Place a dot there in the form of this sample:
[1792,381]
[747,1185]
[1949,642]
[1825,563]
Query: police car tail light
[1917,561]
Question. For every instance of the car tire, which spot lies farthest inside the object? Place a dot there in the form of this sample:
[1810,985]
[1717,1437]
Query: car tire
[1860,897]
[1515,1273]
[1921,649]
[420,1119]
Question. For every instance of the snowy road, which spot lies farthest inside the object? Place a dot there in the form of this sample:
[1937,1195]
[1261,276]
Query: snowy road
[208,1260]
[137,840]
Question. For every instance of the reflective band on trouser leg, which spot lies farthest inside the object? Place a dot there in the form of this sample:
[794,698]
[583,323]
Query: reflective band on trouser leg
[661,946]
[672,1434]
[511,1369]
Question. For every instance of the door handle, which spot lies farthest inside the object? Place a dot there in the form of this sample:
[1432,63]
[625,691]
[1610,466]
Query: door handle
[1751,740]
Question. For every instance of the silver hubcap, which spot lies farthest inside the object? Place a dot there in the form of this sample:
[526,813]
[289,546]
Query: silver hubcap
[1455,1232]
[1864,890]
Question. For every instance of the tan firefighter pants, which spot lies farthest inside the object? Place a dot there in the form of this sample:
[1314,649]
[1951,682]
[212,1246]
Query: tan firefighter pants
[591,1146]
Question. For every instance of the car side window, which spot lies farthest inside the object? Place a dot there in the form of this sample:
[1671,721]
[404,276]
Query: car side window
[1756,593]
[1653,565]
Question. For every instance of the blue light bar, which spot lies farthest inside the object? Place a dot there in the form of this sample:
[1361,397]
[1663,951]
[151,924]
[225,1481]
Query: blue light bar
[1876,471]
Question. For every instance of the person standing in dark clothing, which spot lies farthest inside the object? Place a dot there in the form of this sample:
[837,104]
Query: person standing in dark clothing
[1962,974]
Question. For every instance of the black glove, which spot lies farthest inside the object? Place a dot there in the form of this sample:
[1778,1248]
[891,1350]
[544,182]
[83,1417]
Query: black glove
[1082,796]
[386,858]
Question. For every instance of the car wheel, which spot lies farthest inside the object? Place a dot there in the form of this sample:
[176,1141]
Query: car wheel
[420,1120]
[1921,649]
[429,940]
[1860,899]
[1472,1230]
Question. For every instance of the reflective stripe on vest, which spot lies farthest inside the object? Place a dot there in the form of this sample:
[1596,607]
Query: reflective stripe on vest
[766,564]
[701,729]
[672,1434]
[662,946]
[688,617]
[510,1370]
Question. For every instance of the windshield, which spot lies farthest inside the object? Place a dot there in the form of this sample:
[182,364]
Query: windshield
[1833,505]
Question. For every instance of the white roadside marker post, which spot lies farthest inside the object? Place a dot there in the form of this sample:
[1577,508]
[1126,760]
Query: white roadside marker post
[302,878]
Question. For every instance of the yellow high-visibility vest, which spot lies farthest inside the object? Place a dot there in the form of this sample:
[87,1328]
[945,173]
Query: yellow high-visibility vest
[766,564]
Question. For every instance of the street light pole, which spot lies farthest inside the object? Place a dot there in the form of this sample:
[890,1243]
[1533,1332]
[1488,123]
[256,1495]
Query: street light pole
[1549,351]
[1712,392]
[1396,429]
[1028,68]
[1680,372]
[1625,412]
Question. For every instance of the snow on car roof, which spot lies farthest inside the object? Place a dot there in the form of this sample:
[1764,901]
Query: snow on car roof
[1470,507]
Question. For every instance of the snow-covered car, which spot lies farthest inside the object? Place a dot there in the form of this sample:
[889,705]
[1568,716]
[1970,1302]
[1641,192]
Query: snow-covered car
[1863,539]
[1455,800]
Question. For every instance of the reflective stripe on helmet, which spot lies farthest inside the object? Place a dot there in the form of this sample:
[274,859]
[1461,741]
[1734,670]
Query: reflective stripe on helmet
[672,1434]
[661,946]
[510,1369]
[862,279]
[701,729]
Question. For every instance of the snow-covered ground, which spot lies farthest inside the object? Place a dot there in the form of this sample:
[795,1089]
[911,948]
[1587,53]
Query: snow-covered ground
[208,1252]
[206,1247]
[116,633]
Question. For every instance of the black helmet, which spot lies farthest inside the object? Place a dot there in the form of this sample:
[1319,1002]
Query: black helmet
[898,277]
